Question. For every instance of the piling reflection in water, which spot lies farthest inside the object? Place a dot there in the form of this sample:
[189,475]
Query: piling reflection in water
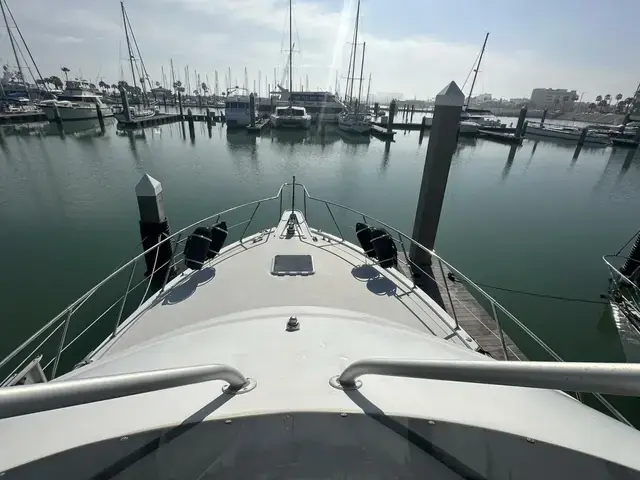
[507,166]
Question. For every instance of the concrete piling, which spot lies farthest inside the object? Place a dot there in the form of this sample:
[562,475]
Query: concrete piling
[125,104]
[154,227]
[544,116]
[583,136]
[413,109]
[56,115]
[180,104]
[392,112]
[376,109]
[100,117]
[423,126]
[442,145]
[192,131]
[208,118]
[521,118]
[625,120]
[252,109]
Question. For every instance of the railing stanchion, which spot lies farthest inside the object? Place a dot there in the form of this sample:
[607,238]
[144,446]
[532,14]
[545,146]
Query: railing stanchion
[249,222]
[404,251]
[446,286]
[334,220]
[173,254]
[62,339]
[497,319]
[124,299]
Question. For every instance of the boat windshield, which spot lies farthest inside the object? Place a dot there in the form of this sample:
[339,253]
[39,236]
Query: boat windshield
[316,445]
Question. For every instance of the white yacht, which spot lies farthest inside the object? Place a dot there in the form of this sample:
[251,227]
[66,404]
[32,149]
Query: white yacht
[624,300]
[354,122]
[77,102]
[484,118]
[237,109]
[322,106]
[294,353]
[291,116]
[567,133]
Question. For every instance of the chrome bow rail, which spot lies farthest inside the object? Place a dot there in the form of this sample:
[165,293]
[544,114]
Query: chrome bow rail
[135,285]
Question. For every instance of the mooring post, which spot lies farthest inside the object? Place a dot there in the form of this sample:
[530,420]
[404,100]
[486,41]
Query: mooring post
[56,115]
[192,131]
[544,116]
[271,110]
[625,120]
[423,125]
[125,104]
[164,98]
[583,136]
[392,112]
[154,227]
[252,109]
[442,145]
[208,113]
[413,109]
[180,105]
[376,109]
[521,119]
[100,117]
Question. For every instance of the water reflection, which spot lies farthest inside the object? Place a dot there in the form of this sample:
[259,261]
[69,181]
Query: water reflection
[353,138]
[385,156]
[509,164]
[79,129]
[240,142]
[134,137]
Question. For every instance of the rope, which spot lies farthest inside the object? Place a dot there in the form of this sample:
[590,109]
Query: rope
[628,242]
[542,295]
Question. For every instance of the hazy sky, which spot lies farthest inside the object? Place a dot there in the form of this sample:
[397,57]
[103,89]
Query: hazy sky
[413,46]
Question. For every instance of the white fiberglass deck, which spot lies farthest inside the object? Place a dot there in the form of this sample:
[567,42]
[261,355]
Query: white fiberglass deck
[240,279]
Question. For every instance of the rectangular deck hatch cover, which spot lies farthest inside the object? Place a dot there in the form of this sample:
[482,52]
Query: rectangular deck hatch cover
[292,265]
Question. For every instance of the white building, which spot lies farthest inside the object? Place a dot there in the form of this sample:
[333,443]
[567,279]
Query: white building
[553,99]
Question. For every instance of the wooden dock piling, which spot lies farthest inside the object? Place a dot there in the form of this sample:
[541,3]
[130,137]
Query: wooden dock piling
[100,117]
[125,104]
[392,112]
[192,131]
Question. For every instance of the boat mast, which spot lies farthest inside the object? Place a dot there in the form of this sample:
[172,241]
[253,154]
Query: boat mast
[475,73]
[145,74]
[368,90]
[364,45]
[290,51]
[28,51]
[126,33]
[13,46]
[355,46]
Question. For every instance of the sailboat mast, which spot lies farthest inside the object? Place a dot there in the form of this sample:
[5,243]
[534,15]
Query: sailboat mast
[475,74]
[368,90]
[13,46]
[126,33]
[290,50]
[364,46]
[173,74]
[355,46]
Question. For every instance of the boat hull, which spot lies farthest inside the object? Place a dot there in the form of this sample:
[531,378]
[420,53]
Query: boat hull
[359,128]
[290,122]
[121,118]
[568,134]
[75,113]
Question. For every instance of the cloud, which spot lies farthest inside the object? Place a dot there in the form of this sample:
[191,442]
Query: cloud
[209,35]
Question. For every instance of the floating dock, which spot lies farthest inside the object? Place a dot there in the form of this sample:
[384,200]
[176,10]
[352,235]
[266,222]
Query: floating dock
[501,135]
[21,117]
[382,133]
[261,123]
[461,304]
[624,142]
[163,119]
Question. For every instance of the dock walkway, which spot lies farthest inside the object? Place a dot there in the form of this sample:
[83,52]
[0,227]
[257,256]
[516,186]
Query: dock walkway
[472,317]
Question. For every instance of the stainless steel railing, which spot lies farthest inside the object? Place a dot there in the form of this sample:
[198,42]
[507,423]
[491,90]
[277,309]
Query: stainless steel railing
[63,322]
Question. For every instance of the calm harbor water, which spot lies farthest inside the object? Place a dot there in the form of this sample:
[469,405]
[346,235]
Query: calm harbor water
[529,218]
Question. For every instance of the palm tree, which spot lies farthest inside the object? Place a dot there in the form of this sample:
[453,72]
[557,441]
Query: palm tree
[618,97]
[66,72]
[598,98]
[205,89]
[607,97]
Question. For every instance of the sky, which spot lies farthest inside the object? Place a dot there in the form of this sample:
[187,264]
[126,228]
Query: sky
[413,47]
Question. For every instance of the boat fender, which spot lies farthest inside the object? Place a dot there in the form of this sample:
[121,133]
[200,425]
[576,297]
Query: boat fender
[196,248]
[363,232]
[218,235]
[385,248]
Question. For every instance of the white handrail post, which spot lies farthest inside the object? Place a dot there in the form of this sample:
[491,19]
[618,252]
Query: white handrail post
[124,299]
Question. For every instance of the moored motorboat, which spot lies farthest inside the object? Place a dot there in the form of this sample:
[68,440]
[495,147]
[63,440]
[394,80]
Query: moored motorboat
[567,133]
[288,347]
[77,102]
[354,122]
[290,116]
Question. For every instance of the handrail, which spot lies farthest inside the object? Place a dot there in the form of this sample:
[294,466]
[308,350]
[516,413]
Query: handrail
[28,399]
[609,378]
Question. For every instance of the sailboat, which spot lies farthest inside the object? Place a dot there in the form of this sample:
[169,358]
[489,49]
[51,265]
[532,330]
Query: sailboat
[355,120]
[290,115]
[134,112]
